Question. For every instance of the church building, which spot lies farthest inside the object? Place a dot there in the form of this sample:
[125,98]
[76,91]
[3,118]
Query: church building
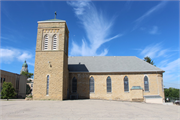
[58,76]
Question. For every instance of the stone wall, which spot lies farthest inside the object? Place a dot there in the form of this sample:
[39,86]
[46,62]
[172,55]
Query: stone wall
[137,95]
[50,62]
[117,81]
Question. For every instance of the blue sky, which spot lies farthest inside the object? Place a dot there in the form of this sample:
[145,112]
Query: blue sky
[118,28]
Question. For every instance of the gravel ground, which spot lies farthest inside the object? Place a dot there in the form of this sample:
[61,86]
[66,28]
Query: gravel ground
[86,110]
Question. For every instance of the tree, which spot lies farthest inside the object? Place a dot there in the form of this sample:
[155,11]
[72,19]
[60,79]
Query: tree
[29,81]
[148,59]
[28,89]
[171,93]
[8,91]
[27,74]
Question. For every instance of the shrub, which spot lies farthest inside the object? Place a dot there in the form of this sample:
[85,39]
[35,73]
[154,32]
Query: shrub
[8,91]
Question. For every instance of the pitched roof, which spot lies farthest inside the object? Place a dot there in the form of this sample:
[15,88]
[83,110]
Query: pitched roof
[110,64]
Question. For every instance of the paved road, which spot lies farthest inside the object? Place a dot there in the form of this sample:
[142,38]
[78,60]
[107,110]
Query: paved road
[86,110]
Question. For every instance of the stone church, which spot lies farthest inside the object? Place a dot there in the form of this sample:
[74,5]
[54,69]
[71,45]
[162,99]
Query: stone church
[59,77]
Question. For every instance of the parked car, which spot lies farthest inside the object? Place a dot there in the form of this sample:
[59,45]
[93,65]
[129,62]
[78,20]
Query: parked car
[177,102]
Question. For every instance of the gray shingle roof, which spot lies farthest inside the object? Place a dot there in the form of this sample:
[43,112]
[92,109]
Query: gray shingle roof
[110,64]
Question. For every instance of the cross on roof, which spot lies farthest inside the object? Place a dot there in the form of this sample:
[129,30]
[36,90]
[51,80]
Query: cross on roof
[55,14]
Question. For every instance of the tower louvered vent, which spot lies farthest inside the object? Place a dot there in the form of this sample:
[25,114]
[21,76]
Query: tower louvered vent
[54,42]
[46,42]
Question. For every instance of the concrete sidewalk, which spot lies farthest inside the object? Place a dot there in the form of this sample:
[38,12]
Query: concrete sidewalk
[86,110]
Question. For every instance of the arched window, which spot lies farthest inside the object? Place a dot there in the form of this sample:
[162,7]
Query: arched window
[126,84]
[108,84]
[45,42]
[54,42]
[74,85]
[91,83]
[146,83]
[47,90]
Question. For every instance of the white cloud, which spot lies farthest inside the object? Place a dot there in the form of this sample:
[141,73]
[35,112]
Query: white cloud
[1,37]
[97,28]
[154,30]
[79,6]
[154,51]
[171,75]
[24,56]
[8,55]
[163,62]
[171,67]
[148,13]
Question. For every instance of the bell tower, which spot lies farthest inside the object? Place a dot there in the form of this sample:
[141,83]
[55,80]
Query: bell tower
[51,60]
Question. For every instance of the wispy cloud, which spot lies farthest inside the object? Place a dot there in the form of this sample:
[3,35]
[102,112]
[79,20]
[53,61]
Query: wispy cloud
[148,13]
[79,6]
[8,55]
[11,34]
[97,27]
[23,56]
[4,10]
[152,10]
[7,38]
[154,51]
[154,30]
[172,76]
[171,65]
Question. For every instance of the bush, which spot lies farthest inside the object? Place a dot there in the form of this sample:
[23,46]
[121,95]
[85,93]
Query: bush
[8,91]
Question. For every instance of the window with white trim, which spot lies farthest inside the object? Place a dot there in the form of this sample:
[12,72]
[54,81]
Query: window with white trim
[54,42]
[45,42]
[146,84]
[126,84]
